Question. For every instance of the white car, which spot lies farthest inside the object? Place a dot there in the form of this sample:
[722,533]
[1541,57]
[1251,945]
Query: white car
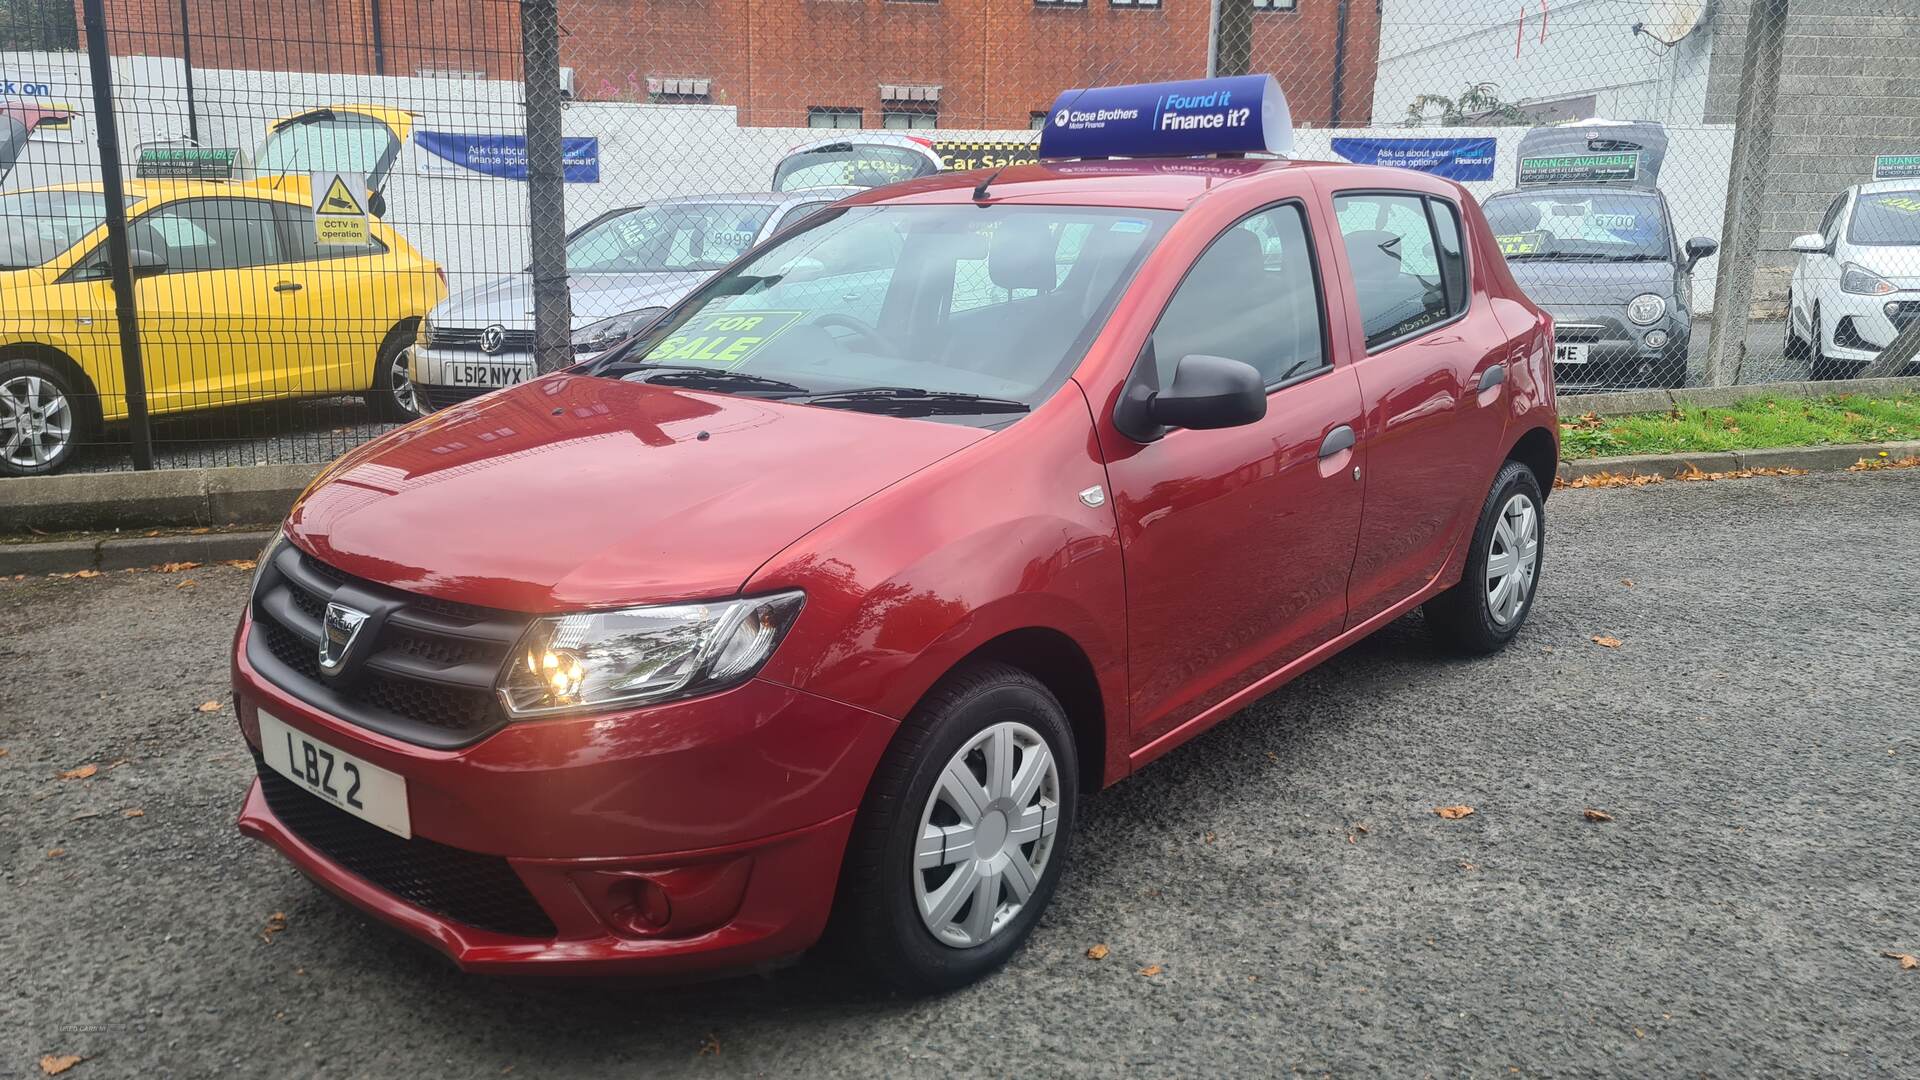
[1857,283]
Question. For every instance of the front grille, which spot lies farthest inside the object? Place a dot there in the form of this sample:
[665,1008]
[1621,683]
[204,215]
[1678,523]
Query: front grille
[445,397]
[460,337]
[425,674]
[479,890]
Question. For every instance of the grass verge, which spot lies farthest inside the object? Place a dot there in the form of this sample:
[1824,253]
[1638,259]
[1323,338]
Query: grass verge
[1758,423]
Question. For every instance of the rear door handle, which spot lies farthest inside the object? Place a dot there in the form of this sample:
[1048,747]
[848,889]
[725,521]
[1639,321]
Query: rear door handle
[1493,377]
[1340,438]
[288,286]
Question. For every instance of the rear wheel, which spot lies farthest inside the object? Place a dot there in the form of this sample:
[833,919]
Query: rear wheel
[41,417]
[392,396]
[964,832]
[1487,607]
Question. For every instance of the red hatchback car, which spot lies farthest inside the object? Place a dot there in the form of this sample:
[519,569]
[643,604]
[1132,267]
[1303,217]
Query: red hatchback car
[839,588]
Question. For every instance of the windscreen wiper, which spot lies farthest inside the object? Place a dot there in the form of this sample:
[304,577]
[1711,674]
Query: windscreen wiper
[698,377]
[910,401]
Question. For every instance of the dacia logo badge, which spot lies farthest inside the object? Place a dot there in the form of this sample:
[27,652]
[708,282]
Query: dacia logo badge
[337,630]
[493,338]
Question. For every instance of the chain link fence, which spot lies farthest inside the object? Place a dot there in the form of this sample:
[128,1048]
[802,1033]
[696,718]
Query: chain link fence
[333,217]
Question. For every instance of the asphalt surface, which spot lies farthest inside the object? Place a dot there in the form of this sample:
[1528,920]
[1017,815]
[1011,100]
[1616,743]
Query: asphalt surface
[321,429]
[1754,737]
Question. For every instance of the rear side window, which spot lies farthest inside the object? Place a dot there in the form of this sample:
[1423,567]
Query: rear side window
[1252,296]
[302,245]
[1409,272]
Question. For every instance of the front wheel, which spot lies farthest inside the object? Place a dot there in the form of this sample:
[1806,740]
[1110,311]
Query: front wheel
[1488,606]
[392,395]
[964,832]
[40,418]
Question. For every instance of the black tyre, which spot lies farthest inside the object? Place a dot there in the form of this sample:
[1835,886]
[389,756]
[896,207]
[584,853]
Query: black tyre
[963,833]
[391,397]
[45,413]
[1484,611]
[1794,348]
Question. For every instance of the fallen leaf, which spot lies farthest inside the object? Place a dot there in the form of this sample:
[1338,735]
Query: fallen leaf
[186,584]
[1209,838]
[117,762]
[1453,813]
[80,773]
[3,751]
[1598,815]
[54,1065]
[1907,960]
[77,574]
[1637,1033]
[240,564]
[710,1046]
[133,812]
[1360,827]
[1468,866]
[276,922]
[1151,970]
[1627,581]
[1607,641]
[54,853]
[209,706]
[176,567]
[1098,952]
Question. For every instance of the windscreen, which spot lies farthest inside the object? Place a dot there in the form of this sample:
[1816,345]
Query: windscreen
[850,164]
[37,226]
[339,142]
[671,236]
[1886,219]
[1550,224]
[995,301]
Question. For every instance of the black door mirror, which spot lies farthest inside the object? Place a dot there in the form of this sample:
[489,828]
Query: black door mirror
[1699,248]
[377,204]
[1210,392]
[146,262]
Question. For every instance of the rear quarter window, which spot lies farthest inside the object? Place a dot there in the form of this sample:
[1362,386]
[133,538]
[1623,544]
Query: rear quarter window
[1406,260]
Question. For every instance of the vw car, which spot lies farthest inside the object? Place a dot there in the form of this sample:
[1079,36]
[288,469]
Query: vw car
[237,304]
[1857,281]
[623,270]
[836,591]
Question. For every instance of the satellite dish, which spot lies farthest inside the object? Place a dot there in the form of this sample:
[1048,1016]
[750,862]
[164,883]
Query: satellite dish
[1670,21]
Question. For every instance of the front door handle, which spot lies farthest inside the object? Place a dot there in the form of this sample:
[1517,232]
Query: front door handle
[1340,438]
[288,286]
[1493,377]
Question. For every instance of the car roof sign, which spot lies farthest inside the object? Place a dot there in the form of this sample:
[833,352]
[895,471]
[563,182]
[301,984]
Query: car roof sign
[1241,114]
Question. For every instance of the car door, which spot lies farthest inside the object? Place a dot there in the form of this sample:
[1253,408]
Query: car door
[205,327]
[1429,349]
[336,299]
[1238,542]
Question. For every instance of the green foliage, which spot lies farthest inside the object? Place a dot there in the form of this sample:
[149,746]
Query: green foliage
[1757,423]
[38,26]
[1478,105]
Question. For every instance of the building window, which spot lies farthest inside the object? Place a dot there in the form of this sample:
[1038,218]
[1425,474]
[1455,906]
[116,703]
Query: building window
[1275,5]
[1036,120]
[1059,3]
[909,119]
[1135,3]
[823,117]
[678,91]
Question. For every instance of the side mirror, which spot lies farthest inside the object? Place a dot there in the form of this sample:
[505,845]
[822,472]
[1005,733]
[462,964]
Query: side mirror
[145,262]
[1809,244]
[1700,247]
[377,204]
[1210,392]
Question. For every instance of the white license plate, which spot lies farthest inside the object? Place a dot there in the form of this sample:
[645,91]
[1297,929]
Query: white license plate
[1571,353]
[466,374]
[361,788]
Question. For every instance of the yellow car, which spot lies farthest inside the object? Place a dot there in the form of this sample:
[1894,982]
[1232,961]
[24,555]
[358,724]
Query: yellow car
[236,302]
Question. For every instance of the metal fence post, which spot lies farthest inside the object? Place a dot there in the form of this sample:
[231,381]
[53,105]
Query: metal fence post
[119,264]
[546,186]
[1746,190]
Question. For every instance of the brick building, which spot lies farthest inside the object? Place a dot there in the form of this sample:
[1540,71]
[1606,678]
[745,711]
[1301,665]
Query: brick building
[864,63]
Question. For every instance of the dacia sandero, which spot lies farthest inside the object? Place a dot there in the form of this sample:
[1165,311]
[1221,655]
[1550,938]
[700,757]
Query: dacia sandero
[837,591]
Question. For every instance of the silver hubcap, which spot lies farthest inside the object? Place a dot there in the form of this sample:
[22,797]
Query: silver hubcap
[986,834]
[401,377]
[1513,558]
[36,421]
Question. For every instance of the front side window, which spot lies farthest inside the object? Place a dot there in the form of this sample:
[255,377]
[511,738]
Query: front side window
[1394,257]
[1253,296]
[981,302]
[1605,226]
[671,236]
[1886,219]
[37,227]
[210,234]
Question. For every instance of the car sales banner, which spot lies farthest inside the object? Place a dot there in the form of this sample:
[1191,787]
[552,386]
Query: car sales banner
[504,156]
[1455,159]
[1236,115]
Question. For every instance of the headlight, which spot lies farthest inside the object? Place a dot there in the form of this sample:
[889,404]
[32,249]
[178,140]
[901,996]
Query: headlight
[598,337]
[1646,309]
[260,563]
[1863,282]
[604,659]
[423,337]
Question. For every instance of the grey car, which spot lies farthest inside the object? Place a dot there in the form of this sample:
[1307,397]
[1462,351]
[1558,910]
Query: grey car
[624,269]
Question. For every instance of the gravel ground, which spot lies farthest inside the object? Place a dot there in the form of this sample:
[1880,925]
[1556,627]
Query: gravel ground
[321,429]
[1754,739]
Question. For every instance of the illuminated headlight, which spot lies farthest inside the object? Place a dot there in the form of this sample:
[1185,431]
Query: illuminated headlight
[1646,309]
[1863,282]
[608,659]
[423,337]
[598,337]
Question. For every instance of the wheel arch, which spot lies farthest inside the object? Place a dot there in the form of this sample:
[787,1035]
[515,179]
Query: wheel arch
[87,390]
[1064,668]
[1537,450]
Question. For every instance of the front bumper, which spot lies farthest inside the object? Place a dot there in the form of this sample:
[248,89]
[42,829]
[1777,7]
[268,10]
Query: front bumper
[1858,327]
[1618,356]
[690,836]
